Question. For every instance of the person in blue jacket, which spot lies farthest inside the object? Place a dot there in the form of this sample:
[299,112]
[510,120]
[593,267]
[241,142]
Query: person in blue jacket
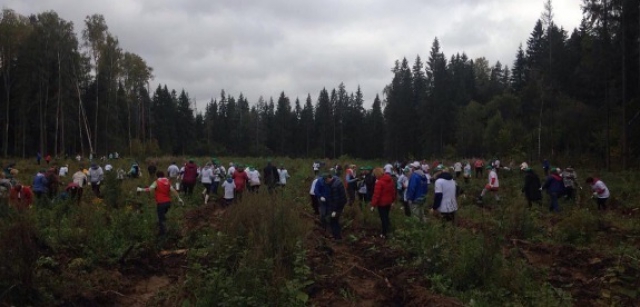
[417,191]
[40,183]
[555,189]
[322,193]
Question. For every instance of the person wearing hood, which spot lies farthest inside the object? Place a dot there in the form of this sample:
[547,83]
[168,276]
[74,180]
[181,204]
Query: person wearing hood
[95,177]
[163,190]
[600,192]
[531,188]
[384,194]
[417,191]
[555,189]
[229,188]
[492,186]
[444,200]
[189,177]
[206,178]
[40,183]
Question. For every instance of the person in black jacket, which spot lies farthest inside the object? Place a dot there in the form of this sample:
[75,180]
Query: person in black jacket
[531,188]
[271,176]
[335,203]
[370,183]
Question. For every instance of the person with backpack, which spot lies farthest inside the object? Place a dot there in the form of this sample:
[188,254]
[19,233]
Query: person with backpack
[384,194]
[555,189]
[189,177]
[162,190]
[229,188]
[531,188]
[417,191]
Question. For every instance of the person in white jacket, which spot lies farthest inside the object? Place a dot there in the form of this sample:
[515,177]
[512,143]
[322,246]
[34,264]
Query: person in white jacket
[254,179]
[284,175]
[206,178]
[444,200]
[492,186]
[96,174]
[600,192]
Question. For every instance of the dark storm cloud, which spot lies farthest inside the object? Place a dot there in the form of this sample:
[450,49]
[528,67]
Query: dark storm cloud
[261,48]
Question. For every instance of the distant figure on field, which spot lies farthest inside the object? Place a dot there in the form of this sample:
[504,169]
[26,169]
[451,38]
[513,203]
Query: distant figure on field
[600,192]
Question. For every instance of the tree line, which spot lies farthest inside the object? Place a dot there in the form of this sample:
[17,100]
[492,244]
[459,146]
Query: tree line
[567,94]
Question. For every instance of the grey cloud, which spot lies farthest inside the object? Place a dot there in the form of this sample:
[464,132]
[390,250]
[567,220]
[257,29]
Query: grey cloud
[261,48]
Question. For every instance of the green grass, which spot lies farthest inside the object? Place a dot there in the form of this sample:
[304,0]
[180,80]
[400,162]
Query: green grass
[255,254]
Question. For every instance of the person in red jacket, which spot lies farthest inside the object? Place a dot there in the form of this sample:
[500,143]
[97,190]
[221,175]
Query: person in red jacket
[240,178]
[20,197]
[384,194]
[189,177]
[163,190]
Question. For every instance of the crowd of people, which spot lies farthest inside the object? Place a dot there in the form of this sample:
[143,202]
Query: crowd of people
[408,184]
[331,190]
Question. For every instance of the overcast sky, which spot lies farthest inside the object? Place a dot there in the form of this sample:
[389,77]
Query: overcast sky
[263,47]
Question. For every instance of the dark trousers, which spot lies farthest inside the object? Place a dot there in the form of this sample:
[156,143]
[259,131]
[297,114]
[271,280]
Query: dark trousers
[314,204]
[553,206]
[479,172]
[187,187]
[351,194]
[384,218]
[214,187]
[602,203]
[335,225]
[95,187]
[162,210]
[449,217]
[570,193]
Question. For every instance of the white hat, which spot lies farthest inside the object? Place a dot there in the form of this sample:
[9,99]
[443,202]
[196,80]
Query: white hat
[415,164]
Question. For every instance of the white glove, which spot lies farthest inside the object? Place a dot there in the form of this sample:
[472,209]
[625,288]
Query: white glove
[595,194]
[139,190]
[372,209]
[181,201]
[333,214]
[540,189]
[322,199]
[98,183]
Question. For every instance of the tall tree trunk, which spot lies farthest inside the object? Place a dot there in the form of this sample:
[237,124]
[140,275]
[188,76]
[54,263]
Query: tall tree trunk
[55,145]
[624,91]
[95,124]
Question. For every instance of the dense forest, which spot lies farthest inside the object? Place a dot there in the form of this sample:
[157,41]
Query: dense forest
[567,94]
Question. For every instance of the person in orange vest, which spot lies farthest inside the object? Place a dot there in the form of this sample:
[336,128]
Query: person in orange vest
[20,197]
[163,190]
